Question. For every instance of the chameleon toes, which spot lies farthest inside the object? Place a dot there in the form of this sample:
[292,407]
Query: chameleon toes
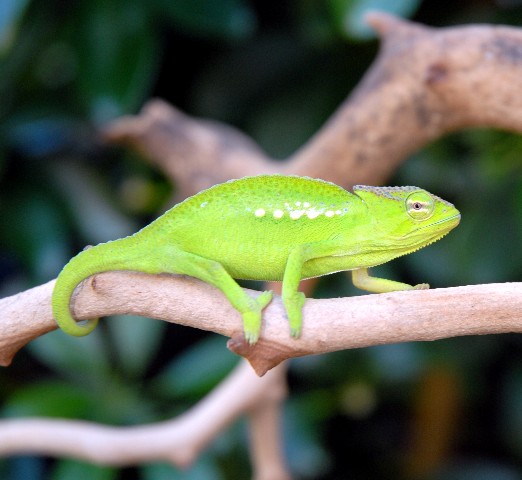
[251,338]
[295,332]
[294,305]
[252,326]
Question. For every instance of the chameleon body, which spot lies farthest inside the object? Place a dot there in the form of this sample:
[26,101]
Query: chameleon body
[269,227]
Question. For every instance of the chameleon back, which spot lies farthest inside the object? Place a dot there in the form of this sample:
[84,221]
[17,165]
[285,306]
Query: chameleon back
[251,224]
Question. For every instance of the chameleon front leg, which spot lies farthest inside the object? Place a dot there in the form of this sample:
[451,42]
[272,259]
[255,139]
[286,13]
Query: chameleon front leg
[292,298]
[362,279]
[210,271]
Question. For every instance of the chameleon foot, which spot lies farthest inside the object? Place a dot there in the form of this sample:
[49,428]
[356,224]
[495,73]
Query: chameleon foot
[252,318]
[421,286]
[294,307]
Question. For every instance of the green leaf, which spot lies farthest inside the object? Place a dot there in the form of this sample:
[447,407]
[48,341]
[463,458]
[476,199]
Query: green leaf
[24,212]
[196,370]
[82,358]
[305,454]
[97,218]
[68,469]
[349,15]
[117,48]
[136,341]
[47,399]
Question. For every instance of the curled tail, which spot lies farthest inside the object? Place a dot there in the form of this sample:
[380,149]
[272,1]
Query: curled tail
[122,254]
[79,268]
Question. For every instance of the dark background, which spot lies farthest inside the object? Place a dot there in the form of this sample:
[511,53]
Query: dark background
[449,409]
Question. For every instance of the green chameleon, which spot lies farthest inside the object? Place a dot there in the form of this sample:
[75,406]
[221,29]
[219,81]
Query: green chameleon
[270,227]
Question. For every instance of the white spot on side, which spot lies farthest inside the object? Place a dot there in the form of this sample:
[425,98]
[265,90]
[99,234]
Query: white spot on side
[294,215]
[311,214]
[306,205]
[204,204]
[338,212]
[329,213]
[278,213]
[260,212]
[297,204]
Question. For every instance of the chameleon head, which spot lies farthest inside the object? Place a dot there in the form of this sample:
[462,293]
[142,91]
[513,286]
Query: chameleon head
[407,217]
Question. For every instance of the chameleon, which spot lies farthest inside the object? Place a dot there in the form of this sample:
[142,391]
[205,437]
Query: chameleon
[269,227]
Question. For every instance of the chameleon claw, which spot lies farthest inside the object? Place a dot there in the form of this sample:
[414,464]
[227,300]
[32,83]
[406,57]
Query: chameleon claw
[252,318]
[251,337]
[251,326]
[421,286]
[295,332]
[294,306]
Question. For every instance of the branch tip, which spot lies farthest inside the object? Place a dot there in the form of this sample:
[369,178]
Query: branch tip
[6,360]
[383,22]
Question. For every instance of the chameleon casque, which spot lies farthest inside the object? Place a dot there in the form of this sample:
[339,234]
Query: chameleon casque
[269,227]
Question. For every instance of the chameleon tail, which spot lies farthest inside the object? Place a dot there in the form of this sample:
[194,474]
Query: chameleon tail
[88,262]
[121,254]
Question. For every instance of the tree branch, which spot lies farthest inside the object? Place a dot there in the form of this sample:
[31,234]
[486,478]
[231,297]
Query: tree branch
[178,441]
[329,324]
[429,81]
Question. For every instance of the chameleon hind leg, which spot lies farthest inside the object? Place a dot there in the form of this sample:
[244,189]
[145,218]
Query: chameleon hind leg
[175,260]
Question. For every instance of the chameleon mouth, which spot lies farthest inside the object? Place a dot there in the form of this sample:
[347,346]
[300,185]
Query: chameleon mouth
[454,220]
[448,224]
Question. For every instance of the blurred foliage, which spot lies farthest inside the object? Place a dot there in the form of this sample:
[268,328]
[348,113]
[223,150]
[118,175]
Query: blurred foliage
[450,409]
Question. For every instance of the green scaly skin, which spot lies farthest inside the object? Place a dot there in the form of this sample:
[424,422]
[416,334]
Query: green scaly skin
[270,227]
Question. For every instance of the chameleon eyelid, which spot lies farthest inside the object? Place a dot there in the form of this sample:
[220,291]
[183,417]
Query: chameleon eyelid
[420,205]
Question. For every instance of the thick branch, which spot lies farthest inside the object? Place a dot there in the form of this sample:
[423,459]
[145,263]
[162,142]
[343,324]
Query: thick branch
[427,81]
[194,153]
[329,325]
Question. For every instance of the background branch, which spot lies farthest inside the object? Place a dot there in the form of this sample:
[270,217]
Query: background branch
[429,81]
[178,441]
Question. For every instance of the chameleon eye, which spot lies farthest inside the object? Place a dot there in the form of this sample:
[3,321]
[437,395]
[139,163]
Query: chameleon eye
[420,205]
